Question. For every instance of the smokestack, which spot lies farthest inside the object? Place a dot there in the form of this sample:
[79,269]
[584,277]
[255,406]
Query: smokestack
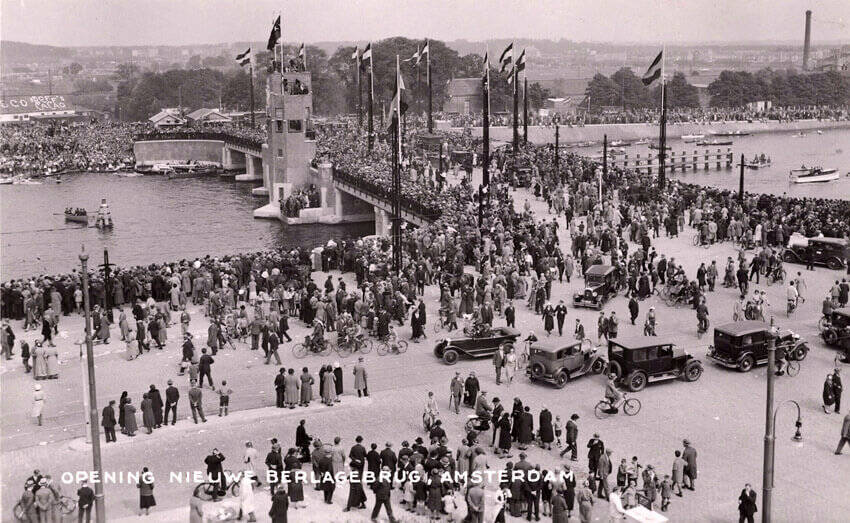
[808,41]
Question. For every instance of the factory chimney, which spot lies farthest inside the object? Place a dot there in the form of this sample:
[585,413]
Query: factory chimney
[808,41]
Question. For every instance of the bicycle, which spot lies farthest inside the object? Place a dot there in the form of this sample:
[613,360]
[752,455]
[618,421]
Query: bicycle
[604,409]
[299,350]
[698,241]
[347,345]
[67,506]
[209,490]
[776,275]
[389,345]
[440,323]
[792,367]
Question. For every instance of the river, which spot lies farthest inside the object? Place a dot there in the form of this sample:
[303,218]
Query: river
[161,220]
[155,220]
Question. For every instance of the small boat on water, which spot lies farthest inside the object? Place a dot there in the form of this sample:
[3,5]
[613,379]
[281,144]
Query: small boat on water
[103,219]
[619,143]
[642,141]
[190,171]
[688,138]
[711,143]
[76,218]
[161,168]
[758,162]
[657,147]
[584,144]
[6,181]
[730,133]
[813,175]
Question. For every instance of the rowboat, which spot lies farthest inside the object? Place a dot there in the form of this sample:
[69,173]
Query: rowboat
[813,175]
[758,164]
[687,138]
[77,218]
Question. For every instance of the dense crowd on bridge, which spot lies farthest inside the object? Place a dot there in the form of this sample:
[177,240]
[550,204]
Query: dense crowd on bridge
[57,147]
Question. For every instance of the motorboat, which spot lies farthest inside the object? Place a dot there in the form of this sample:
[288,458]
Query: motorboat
[642,141]
[730,133]
[6,181]
[711,143]
[161,168]
[758,162]
[688,138]
[619,143]
[813,175]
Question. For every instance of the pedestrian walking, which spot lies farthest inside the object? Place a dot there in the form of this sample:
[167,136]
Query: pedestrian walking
[37,403]
[455,392]
[689,454]
[837,388]
[205,368]
[360,383]
[196,402]
[747,505]
[499,363]
[845,434]
[108,421]
[828,395]
[145,486]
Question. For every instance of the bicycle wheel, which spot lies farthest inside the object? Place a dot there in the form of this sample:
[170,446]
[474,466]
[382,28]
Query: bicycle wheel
[205,491]
[383,348]
[366,346]
[299,350]
[235,489]
[601,410]
[793,368]
[343,349]
[631,406]
[438,325]
[67,505]
[402,346]
[18,511]
[329,347]
[696,239]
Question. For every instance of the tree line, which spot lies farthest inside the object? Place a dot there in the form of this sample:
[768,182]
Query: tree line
[782,88]
[625,90]
[142,94]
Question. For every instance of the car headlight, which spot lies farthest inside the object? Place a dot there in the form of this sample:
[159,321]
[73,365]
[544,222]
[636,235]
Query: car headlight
[593,294]
[577,296]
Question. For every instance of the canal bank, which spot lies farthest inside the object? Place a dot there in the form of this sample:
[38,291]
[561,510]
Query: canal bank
[539,134]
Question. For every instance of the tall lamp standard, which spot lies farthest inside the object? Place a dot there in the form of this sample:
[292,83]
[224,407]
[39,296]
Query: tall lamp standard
[770,433]
[100,511]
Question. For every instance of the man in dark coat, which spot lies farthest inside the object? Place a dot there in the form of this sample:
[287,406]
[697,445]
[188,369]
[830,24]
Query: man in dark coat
[388,458]
[326,470]
[205,366]
[837,388]
[108,422]
[510,315]
[498,410]
[274,463]
[357,455]
[302,440]
[689,454]
[280,387]
[156,404]
[283,326]
[747,504]
[560,316]
[373,461]
[572,438]
[596,448]
[172,396]
[215,472]
[526,429]
[382,490]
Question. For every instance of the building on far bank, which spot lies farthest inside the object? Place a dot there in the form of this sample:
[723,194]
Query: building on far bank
[168,118]
[19,109]
[565,107]
[203,116]
[838,60]
[464,96]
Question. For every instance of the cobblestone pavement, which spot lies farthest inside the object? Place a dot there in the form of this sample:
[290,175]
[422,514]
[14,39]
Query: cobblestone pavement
[722,413]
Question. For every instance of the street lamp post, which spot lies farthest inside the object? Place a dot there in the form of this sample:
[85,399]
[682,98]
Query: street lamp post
[770,433]
[85,382]
[100,511]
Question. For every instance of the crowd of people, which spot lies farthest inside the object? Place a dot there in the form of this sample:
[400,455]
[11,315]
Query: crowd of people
[301,198]
[56,147]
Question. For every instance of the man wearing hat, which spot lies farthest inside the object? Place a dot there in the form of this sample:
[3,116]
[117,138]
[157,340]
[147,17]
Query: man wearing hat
[572,438]
[172,396]
[360,383]
[455,392]
[603,470]
[689,454]
[389,459]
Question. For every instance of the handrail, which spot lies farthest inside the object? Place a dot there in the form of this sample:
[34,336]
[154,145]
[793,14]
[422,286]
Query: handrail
[418,209]
[230,139]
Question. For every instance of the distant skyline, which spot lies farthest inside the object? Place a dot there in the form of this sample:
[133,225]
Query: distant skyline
[188,22]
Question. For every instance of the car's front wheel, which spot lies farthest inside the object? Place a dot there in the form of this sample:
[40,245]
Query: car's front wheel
[537,370]
[637,381]
[693,371]
[450,356]
[834,264]
[598,366]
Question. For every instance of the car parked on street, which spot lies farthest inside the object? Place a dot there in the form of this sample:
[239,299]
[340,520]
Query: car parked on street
[450,349]
[832,252]
[638,360]
[559,363]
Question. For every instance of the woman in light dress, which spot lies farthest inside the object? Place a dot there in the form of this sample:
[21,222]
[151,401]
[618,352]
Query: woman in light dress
[37,403]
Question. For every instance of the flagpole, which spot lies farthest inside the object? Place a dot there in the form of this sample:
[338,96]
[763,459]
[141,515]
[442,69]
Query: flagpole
[662,139]
[251,74]
[525,110]
[428,75]
[486,131]
[418,80]
[396,156]
[359,90]
[371,94]
[516,112]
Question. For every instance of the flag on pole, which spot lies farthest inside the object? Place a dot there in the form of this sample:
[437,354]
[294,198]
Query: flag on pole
[274,37]
[356,54]
[244,58]
[518,67]
[486,64]
[425,50]
[654,72]
[507,57]
[301,51]
[416,58]
[367,54]
[398,106]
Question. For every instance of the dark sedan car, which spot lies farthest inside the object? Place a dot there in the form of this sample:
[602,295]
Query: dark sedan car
[481,346]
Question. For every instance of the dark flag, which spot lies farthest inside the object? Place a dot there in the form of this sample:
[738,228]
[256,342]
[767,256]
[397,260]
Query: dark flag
[654,72]
[244,58]
[507,57]
[274,37]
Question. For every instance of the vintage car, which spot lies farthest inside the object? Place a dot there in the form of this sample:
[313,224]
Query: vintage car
[743,344]
[835,330]
[559,363]
[638,360]
[477,346]
[832,252]
[600,286]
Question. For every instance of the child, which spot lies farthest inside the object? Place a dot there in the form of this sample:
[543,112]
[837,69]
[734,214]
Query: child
[450,506]
[558,430]
[25,356]
[666,491]
[223,398]
[407,499]
[194,371]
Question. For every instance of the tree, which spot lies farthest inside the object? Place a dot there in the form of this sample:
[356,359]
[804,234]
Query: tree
[679,93]
[537,96]
[75,68]
[632,94]
[601,91]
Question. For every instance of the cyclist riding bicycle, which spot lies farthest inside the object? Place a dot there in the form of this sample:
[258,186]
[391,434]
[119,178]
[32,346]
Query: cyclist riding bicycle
[431,411]
[317,339]
[483,410]
[781,360]
[612,393]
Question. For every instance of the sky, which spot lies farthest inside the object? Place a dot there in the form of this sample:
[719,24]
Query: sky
[182,22]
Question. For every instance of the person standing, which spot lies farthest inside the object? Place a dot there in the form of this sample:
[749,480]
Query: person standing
[290,393]
[510,315]
[145,486]
[51,357]
[37,403]
[498,363]
[837,388]
[196,402]
[455,392]
[360,383]
[156,405]
[579,330]
[828,395]
[475,503]
[634,309]
[280,388]
[280,506]
[747,505]
[603,470]
[561,316]
[205,366]
[108,421]
[689,454]
[572,438]
[172,396]
[613,325]
[147,413]
[585,502]
[85,500]
[382,487]
[306,387]
[845,434]
[678,472]
[130,425]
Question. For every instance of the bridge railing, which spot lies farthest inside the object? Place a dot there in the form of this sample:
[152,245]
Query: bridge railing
[415,207]
[228,138]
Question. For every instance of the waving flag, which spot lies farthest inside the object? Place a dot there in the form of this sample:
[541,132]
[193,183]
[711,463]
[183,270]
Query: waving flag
[398,106]
[356,54]
[367,53]
[417,56]
[274,37]
[244,58]
[507,57]
[518,67]
[654,72]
